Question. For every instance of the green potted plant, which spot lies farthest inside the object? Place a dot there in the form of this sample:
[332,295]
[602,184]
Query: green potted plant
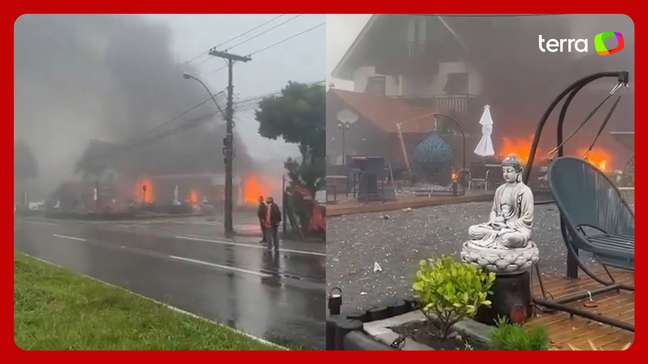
[510,336]
[450,291]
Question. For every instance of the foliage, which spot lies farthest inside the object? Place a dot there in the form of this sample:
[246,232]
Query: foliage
[451,290]
[298,116]
[55,309]
[509,336]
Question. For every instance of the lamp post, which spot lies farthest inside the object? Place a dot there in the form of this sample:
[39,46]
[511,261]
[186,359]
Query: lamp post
[345,118]
[344,126]
[228,141]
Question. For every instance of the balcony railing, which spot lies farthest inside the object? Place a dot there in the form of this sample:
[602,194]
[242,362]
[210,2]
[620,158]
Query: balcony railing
[454,104]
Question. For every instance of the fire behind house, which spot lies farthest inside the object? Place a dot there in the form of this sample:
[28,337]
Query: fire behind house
[97,100]
[420,80]
[184,170]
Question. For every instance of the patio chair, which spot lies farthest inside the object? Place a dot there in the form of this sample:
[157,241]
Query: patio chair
[478,174]
[595,219]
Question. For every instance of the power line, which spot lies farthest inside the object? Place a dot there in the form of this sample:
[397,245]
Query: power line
[150,137]
[214,70]
[262,33]
[179,116]
[286,39]
[268,94]
[241,103]
[270,46]
[247,32]
[233,38]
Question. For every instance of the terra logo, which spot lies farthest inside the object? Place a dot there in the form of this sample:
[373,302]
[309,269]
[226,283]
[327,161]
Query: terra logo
[581,45]
[602,49]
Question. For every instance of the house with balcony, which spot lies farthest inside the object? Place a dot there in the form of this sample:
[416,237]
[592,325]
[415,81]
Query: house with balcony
[402,66]
[410,79]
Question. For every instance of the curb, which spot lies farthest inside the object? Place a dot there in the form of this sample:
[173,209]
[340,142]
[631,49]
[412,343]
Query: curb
[390,206]
[346,331]
[166,305]
[358,340]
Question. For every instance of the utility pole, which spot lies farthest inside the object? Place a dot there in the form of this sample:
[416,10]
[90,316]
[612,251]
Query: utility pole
[228,141]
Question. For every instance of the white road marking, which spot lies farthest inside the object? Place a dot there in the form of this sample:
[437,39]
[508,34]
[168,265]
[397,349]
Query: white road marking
[68,237]
[248,245]
[220,266]
[302,252]
[41,223]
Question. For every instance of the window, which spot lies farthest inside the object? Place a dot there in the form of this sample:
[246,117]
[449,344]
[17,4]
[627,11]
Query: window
[456,84]
[416,35]
[376,85]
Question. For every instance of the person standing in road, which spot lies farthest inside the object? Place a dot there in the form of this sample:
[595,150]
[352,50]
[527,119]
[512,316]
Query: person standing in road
[261,213]
[272,220]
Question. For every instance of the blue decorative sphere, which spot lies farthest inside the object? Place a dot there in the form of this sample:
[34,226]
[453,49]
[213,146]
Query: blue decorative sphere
[433,159]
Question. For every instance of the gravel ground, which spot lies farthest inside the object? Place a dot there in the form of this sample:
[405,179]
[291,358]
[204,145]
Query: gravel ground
[398,240]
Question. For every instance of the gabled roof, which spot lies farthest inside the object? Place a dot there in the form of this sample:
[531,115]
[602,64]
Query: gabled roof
[338,71]
[385,112]
[356,55]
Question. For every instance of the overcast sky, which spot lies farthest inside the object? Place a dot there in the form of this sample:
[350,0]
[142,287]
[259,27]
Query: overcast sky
[299,59]
[111,77]
[341,31]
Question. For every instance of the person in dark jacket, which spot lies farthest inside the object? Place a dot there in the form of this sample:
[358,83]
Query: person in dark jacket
[261,213]
[271,223]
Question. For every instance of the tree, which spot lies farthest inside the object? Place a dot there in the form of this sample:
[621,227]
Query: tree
[298,116]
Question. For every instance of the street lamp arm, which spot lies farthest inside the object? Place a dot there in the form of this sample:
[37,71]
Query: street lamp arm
[188,76]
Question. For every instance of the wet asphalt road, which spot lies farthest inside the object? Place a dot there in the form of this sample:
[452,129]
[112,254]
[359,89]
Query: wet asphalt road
[188,264]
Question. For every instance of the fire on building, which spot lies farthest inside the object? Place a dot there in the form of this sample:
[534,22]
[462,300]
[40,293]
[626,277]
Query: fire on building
[420,84]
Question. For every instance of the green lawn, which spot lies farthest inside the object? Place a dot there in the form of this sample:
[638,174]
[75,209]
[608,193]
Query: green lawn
[59,310]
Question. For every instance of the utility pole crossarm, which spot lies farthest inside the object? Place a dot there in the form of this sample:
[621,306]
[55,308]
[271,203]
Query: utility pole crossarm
[233,57]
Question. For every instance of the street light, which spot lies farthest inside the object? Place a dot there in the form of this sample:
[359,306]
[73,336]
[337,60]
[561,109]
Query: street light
[228,151]
[190,77]
[344,126]
[345,119]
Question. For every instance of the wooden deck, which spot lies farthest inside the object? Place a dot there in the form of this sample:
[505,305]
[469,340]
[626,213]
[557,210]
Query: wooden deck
[578,333]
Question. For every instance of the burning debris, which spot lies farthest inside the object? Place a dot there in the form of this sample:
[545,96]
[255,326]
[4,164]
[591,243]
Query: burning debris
[521,147]
[121,69]
[255,186]
[599,157]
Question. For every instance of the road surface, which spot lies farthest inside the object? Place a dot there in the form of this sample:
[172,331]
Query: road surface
[187,263]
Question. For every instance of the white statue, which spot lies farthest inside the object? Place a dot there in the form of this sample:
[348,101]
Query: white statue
[176,202]
[511,217]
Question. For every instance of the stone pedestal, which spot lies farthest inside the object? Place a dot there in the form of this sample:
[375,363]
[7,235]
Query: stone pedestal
[511,297]
[500,260]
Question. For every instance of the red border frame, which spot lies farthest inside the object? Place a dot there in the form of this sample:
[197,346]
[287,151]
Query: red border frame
[15,8]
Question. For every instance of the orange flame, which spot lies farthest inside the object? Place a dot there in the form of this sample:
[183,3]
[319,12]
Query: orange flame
[599,157]
[193,197]
[518,146]
[252,189]
[144,190]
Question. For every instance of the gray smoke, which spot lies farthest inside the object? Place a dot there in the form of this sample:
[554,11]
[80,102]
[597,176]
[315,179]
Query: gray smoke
[520,81]
[112,78]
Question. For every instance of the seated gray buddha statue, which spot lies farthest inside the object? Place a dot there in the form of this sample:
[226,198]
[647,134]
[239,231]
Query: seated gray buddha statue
[511,217]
